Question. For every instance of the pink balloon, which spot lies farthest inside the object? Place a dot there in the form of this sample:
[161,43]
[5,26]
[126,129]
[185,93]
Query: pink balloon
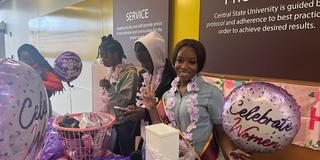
[24,111]
[261,117]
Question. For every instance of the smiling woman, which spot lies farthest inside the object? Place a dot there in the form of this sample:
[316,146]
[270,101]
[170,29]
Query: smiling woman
[190,104]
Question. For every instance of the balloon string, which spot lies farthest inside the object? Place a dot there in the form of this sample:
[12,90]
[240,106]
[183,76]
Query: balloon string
[71,86]
[70,100]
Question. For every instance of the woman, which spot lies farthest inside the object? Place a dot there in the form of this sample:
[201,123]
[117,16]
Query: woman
[193,106]
[28,54]
[121,88]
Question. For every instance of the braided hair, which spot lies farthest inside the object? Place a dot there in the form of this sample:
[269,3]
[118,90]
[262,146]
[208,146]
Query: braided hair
[36,56]
[110,45]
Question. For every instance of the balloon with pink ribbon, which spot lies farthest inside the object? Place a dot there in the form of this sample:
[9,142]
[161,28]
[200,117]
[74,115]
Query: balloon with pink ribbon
[261,117]
[68,66]
[24,111]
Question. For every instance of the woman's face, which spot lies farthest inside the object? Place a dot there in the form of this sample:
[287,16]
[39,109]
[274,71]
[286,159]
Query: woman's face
[186,65]
[108,59]
[145,59]
[27,58]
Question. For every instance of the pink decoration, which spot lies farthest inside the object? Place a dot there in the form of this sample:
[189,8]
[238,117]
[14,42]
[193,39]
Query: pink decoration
[317,95]
[86,143]
[24,111]
[148,82]
[313,111]
[306,97]
[228,83]
[193,88]
[261,117]
[115,75]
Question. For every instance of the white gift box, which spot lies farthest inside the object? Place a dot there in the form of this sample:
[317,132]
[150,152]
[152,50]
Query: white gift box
[162,142]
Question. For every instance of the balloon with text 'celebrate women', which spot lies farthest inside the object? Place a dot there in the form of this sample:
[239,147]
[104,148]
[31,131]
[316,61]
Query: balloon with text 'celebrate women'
[68,66]
[24,111]
[261,117]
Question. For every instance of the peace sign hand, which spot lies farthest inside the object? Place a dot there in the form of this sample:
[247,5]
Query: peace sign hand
[149,98]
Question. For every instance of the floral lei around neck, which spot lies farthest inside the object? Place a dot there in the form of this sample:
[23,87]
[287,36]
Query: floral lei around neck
[192,101]
[115,75]
[147,78]
[103,100]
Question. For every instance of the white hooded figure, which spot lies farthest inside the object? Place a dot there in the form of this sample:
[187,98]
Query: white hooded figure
[156,48]
[151,52]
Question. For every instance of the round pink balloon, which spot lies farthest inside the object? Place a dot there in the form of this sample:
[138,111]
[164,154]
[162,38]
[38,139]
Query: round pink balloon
[261,117]
[24,111]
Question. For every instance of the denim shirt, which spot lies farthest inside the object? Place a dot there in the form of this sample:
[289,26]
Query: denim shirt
[210,103]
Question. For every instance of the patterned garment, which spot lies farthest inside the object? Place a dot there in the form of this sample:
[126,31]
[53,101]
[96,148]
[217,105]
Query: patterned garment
[210,103]
[123,88]
[186,151]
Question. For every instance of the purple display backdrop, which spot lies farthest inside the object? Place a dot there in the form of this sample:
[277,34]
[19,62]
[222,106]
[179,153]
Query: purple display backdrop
[268,38]
[133,19]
